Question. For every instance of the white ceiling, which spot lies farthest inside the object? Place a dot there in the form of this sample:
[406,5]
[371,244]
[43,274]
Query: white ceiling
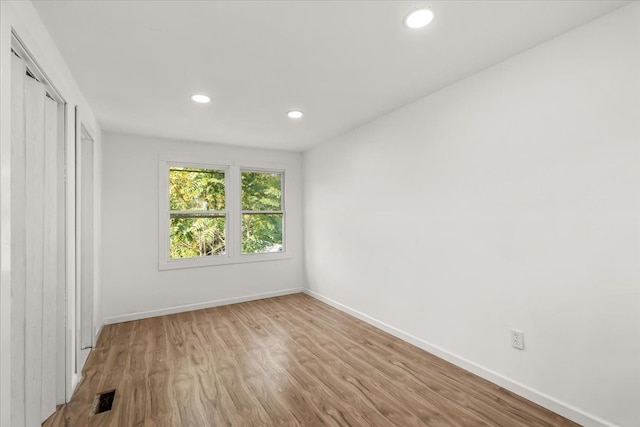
[343,63]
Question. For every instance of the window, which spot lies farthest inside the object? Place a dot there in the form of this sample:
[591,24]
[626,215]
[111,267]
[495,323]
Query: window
[220,214]
[197,214]
[262,213]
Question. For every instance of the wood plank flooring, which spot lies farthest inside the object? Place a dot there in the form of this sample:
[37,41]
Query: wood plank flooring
[286,361]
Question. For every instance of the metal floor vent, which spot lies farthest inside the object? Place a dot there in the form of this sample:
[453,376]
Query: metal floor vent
[103,401]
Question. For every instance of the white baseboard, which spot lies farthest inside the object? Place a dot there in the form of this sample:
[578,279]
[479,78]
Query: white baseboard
[568,411]
[196,306]
[75,378]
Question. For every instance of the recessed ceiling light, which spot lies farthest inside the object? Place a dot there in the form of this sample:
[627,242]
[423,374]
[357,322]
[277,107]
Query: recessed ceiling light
[295,114]
[418,18]
[201,99]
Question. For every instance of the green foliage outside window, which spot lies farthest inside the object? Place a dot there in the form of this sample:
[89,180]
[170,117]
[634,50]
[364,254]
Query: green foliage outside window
[196,189]
[262,212]
[194,231]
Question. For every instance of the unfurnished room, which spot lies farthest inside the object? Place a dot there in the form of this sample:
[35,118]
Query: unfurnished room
[319,212]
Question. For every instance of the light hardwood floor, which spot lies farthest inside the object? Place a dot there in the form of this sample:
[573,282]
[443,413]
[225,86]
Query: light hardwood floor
[289,360]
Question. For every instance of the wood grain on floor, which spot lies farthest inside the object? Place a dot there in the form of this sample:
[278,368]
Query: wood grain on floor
[291,361]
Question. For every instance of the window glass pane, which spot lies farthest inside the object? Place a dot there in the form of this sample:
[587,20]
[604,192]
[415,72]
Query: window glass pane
[199,189]
[261,191]
[196,235]
[261,233]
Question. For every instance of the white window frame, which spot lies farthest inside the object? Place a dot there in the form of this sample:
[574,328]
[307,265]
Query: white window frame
[233,211]
[281,211]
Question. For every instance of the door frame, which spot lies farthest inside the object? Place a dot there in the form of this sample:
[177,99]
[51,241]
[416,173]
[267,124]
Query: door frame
[84,134]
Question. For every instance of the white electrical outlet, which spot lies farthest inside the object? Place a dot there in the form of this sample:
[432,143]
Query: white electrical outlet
[517,339]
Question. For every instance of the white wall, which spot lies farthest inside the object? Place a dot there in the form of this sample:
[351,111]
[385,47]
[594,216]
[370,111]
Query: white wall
[507,200]
[21,17]
[133,286]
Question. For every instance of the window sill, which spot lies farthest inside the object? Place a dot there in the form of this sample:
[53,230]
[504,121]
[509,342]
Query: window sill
[176,264]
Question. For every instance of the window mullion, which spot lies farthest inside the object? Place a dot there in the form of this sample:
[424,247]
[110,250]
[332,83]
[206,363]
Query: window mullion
[197,212]
[234,216]
[262,212]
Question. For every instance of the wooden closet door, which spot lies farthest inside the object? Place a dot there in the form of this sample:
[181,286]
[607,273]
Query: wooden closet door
[18,244]
[34,217]
[34,248]
[50,266]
